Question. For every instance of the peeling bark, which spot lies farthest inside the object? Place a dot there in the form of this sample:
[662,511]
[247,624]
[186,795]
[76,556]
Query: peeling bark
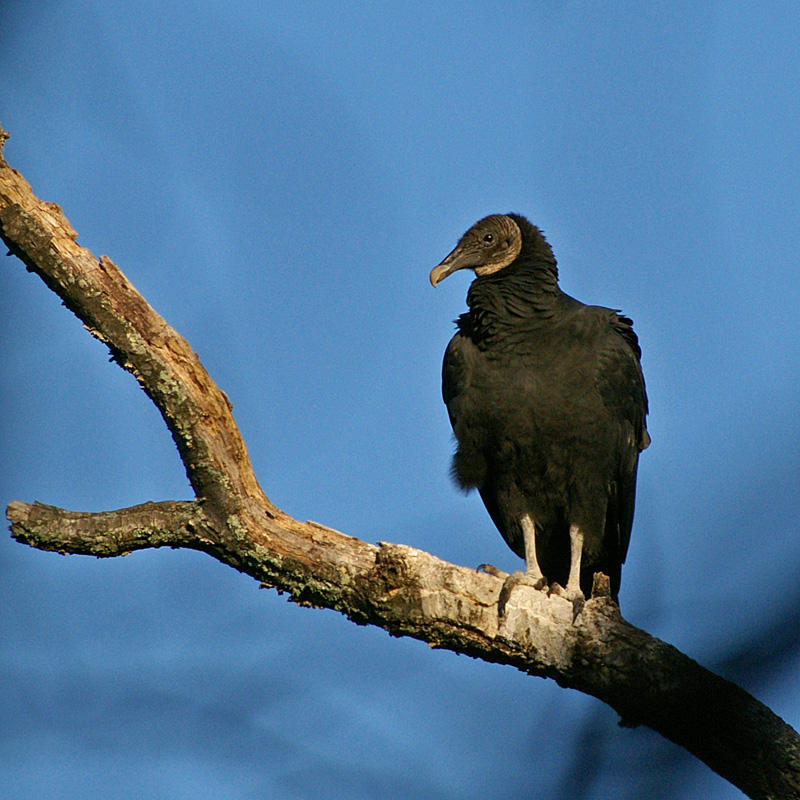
[403,590]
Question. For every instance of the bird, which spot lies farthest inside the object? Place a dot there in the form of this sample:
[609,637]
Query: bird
[547,402]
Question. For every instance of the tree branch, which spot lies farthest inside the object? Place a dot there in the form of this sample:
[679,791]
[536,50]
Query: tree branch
[401,589]
[109,533]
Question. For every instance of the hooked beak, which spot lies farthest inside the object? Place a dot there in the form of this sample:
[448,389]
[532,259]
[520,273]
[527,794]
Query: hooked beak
[459,258]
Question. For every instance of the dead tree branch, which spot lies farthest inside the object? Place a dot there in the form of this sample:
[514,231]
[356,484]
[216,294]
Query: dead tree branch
[401,589]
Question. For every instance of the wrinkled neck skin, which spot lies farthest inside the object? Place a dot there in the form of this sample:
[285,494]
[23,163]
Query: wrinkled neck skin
[520,296]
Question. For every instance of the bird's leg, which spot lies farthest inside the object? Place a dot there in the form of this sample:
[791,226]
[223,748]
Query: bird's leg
[532,569]
[573,591]
[533,574]
[575,552]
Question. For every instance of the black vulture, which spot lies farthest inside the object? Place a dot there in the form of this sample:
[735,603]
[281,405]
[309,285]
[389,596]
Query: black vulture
[547,402]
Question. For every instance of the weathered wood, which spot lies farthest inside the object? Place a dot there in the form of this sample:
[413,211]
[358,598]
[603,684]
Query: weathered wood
[401,589]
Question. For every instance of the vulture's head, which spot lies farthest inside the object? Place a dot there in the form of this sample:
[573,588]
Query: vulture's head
[489,245]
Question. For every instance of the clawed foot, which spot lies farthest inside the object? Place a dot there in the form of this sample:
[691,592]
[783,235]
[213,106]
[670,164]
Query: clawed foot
[513,580]
[575,596]
[490,569]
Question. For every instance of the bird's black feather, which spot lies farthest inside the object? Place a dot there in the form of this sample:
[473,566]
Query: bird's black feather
[547,402]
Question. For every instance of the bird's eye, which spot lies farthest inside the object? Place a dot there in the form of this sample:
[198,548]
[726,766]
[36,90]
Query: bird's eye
[488,239]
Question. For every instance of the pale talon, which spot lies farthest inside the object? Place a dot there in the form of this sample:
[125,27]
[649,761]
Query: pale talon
[490,569]
[518,579]
[577,598]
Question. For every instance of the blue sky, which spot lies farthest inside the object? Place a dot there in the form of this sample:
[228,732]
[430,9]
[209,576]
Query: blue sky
[278,179]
